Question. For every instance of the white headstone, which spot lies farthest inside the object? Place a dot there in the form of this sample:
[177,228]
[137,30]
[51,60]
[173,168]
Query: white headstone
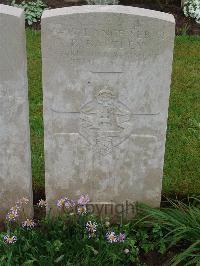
[15,159]
[106,78]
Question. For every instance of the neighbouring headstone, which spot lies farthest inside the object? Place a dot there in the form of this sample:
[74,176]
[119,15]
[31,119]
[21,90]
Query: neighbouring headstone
[106,78]
[15,159]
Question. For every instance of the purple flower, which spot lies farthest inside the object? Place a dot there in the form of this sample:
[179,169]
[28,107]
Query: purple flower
[83,200]
[23,201]
[65,203]
[69,203]
[121,237]
[28,223]
[111,237]
[9,239]
[61,203]
[12,215]
[15,208]
[91,227]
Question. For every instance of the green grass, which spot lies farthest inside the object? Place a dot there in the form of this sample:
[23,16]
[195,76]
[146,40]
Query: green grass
[35,99]
[182,158]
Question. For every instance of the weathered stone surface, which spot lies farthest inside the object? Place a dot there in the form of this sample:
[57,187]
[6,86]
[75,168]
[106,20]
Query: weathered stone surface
[106,78]
[15,161]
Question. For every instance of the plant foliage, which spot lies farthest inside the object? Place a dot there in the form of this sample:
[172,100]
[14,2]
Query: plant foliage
[78,235]
[181,226]
[192,9]
[33,10]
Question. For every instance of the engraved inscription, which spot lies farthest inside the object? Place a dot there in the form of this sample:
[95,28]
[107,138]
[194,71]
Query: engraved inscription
[4,91]
[104,121]
[9,105]
[119,41]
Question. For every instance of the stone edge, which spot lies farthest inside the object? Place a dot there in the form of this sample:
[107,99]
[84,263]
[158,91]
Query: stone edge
[11,10]
[18,13]
[129,10]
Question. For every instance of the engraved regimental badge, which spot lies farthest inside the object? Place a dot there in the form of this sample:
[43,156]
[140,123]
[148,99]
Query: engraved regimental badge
[104,121]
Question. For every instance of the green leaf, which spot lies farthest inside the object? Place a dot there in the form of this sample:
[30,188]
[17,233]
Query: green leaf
[29,262]
[59,259]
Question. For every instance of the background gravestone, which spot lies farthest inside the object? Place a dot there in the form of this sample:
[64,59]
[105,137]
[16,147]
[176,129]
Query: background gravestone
[15,160]
[106,78]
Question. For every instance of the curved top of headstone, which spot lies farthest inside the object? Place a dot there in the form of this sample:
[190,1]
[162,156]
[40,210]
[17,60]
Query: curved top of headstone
[108,9]
[10,10]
